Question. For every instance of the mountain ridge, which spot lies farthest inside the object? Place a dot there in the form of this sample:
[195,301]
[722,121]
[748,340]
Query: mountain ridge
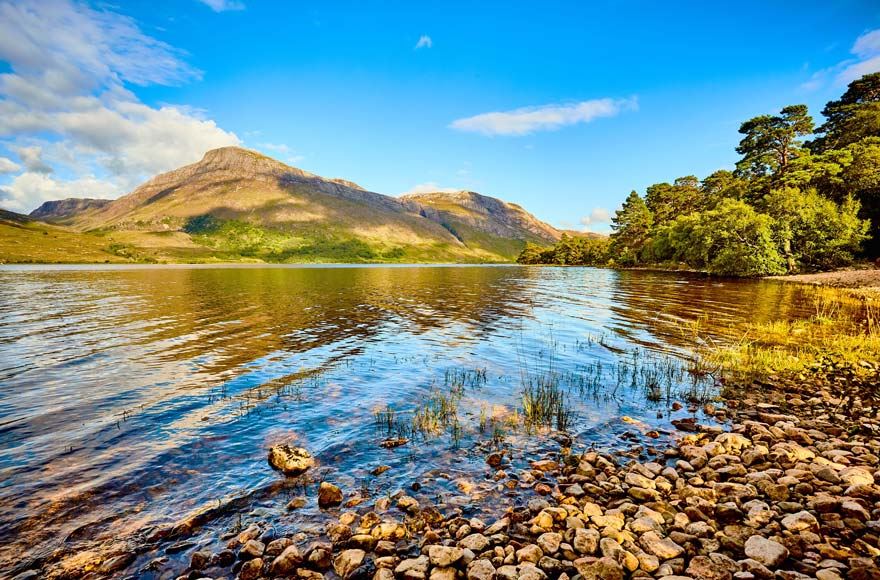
[240,205]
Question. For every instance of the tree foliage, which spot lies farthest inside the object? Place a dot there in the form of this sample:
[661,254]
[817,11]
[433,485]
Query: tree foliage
[731,240]
[569,250]
[851,118]
[788,206]
[771,141]
[632,225]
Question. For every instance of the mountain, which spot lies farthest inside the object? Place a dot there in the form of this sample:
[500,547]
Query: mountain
[487,222]
[239,205]
[65,209]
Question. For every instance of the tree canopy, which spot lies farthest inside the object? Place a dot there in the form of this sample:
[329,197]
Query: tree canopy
[790,205]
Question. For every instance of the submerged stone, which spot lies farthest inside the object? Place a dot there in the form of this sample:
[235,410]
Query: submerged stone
[290,460]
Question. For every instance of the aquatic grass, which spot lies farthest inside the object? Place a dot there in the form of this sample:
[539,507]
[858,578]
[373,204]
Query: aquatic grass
[459,378]
[544,404]
[437,414]
[386,419]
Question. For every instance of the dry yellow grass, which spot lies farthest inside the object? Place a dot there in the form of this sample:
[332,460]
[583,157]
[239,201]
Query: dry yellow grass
[844,329]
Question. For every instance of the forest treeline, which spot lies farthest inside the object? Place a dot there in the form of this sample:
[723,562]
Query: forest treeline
[801,198]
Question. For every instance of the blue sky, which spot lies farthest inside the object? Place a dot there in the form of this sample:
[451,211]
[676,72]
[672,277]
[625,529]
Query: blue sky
[595,99]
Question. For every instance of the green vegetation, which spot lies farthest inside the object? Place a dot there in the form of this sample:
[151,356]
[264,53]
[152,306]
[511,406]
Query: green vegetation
[568,250]
[791,205]
[236,240]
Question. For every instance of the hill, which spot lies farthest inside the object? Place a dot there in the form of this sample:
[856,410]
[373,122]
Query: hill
[489,223]
[62,210]
[239,205]
[25,240]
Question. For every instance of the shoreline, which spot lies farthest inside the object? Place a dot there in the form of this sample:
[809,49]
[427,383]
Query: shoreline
[855,278]
[779,480]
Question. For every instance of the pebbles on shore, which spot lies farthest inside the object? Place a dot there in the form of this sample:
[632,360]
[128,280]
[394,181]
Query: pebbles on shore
[790,492]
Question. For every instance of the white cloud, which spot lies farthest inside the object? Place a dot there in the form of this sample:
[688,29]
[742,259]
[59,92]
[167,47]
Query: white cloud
[424,42]
[429,187]
[866,60]
[223,5]
[8,165]
[28,190]
[599,215]
[32,157]
[527,120]
[66,105]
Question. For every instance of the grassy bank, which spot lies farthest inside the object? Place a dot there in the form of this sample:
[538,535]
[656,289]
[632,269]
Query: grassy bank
[843,331]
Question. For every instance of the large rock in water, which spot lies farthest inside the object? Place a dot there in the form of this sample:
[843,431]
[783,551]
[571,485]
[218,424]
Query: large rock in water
[328,495]
[290,460]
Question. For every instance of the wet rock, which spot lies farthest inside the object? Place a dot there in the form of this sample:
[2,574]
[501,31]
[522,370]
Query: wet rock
[320,556]
[494,459]
[599,569]
[408,504]
[276,547]
[390,530]
[200,560]
[251,570]
[290,460]
[252,549]
[444,556]
[663,548]
[413,568]
[474,542]
[704,568]
[586,541]
[530,553]
[297,503]
[549,542]
[530,572]
[287,561]
[767,552]
[800,521]
[481,570]
[348,561]
[391,443]
[329,495]
[116,563]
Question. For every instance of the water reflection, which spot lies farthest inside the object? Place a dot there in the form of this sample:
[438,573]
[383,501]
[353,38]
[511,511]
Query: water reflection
[128,396]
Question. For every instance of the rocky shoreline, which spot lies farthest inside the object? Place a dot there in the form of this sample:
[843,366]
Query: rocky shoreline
[786,489]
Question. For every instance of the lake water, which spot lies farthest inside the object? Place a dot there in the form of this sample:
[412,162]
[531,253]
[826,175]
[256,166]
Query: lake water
[130,397]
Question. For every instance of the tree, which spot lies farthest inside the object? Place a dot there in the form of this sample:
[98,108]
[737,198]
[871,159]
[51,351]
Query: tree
[723,184]
[812,231]
[666,201]
[771,141]
[534,254]
[853,117]
[732,240]
[632,228]
[862,176]
[820,171]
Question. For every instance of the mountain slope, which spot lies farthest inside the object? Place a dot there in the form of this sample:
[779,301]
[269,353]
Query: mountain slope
[62,210]
[482,221]
[238,205]
[25,240]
